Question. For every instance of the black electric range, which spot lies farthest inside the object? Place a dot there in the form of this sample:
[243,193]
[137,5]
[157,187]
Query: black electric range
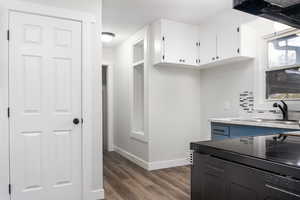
[270,153]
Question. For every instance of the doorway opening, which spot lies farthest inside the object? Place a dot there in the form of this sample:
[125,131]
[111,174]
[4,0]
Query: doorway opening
[104,108]
[107,107]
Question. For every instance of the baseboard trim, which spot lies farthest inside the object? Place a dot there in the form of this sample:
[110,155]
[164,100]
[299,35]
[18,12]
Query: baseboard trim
[133,158]
[167,164]
[150,166]
[96,195]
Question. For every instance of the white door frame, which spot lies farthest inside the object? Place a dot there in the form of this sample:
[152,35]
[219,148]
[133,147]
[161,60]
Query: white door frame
[110,105]
[91,95]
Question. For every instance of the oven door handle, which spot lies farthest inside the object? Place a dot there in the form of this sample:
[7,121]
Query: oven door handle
[282,190]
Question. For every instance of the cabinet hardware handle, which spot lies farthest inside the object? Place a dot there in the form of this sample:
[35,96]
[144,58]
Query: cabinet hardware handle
[218,57]
[213,58]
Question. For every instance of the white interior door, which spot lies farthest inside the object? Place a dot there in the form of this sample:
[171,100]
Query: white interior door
[45,97]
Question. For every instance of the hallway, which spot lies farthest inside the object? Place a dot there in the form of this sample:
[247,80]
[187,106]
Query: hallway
[124,180]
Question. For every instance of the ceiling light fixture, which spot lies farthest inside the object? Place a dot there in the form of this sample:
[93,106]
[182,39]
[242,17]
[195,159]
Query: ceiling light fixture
[107,37]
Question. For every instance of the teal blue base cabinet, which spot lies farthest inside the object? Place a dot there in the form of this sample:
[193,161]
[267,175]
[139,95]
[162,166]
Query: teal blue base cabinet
[221,131]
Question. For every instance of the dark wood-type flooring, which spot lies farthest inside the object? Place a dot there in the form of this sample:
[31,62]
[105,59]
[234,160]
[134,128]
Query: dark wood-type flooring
[123,180]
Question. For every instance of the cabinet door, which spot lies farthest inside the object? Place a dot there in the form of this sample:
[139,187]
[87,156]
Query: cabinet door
[208,176]
[191,52]
[228,42]
[174,41]
[243,183]
[208,46]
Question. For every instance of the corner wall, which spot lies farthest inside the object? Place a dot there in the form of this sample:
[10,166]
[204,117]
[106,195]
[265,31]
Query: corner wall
[124,143]
[220,88]
[174,94]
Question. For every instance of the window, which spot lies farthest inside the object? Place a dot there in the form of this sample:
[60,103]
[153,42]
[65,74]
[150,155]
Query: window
[138,91]
[283,74]
[284,83]
[284,51]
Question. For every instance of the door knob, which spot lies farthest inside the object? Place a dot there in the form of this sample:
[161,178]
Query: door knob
[76,121]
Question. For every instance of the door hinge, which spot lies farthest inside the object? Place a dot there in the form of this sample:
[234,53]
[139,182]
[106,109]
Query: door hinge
[8,35]
[9,189]
[8,112]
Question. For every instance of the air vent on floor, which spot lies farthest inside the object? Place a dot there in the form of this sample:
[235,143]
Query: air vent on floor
[191,158]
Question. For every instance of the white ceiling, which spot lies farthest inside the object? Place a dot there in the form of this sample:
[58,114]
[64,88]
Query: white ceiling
[125,17]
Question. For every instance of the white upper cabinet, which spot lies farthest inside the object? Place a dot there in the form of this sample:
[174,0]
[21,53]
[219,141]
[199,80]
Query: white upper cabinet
[208,46]
[228,42]
[221,44]
[191,41]
[201,46]
[175,43]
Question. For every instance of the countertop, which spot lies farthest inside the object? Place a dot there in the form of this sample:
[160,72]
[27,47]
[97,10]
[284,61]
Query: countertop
[264,152]
[252,122]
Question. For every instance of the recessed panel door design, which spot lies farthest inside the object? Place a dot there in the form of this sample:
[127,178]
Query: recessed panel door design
[45,98]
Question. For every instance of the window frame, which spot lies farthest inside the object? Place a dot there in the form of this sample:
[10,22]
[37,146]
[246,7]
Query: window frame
[267,39]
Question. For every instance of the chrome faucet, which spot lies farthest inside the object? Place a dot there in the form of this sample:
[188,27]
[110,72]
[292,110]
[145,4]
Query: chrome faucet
[284,109]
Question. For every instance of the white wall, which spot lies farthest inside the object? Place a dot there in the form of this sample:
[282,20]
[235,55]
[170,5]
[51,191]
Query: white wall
[90,6]
[182,100]
[220,89]
[174,112]
[122,108]
[220,86]
[108,55]
[4,135]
